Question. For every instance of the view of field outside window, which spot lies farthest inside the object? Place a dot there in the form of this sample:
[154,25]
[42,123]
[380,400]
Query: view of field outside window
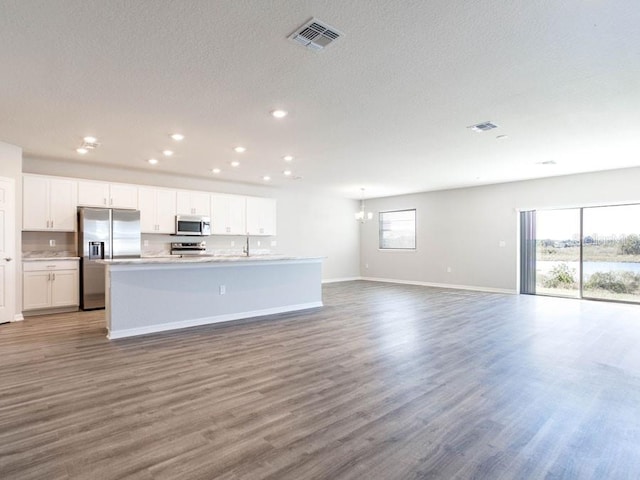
[611,253]
[558,252]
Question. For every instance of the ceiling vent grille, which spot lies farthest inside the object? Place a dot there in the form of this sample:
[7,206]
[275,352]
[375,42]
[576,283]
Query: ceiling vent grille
[315,35]
[90,145]
[483,127]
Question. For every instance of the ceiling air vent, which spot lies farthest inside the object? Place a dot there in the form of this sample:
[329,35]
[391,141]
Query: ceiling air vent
[315,35]
[90,145]
[483,127]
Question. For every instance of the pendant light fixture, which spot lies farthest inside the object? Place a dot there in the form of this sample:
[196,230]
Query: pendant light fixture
[362,216]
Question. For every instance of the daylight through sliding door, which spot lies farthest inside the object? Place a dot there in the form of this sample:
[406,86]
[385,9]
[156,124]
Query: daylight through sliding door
[611,253]
[557,256]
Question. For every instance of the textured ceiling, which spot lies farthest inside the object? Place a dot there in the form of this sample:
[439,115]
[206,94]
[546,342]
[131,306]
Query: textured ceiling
[385,107]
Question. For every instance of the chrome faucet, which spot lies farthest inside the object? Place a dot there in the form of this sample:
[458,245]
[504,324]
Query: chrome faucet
[245,249]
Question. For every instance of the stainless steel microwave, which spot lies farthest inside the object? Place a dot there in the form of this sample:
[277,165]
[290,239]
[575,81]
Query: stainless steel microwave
[194,225]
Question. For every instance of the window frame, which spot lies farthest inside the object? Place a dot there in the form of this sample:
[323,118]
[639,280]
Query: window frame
[415,231]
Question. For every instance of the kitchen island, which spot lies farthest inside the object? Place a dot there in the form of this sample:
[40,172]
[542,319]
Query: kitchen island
[147,295]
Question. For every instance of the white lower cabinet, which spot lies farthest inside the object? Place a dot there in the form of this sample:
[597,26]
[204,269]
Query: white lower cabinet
[50,284]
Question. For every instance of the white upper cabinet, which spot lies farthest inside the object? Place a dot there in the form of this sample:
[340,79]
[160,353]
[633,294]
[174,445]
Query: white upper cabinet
[107,195]
[193,203]
[93,194]
[49,204]
[123,196]
[157,210]
[228,214]
[261,216]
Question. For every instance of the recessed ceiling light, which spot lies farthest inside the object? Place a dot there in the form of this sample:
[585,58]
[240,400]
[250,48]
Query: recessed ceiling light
[288,158]
[82,151]
[90,139]
[167,153]
[235,163]
[153,161]
[287,172]
[178,137]
[266,178]
[279,113]
[547,162]
[215,170]
[502,137]
[239,149]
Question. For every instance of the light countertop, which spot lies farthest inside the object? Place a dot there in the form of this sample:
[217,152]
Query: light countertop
[47,259]
[177,260]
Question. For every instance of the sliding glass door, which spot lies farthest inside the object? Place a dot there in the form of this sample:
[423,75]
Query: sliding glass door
[558,252]
[591,252]
[611,253]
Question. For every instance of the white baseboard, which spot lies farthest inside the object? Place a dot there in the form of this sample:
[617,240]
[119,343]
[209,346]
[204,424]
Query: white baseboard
[18,317]
[131,332]
[443,285]
[344,279]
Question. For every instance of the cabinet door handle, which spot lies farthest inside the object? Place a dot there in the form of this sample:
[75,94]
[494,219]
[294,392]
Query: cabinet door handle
[111,201]
[8,259]
[54,277]
[104,201]
[51,223]
[49,277]
[47,223]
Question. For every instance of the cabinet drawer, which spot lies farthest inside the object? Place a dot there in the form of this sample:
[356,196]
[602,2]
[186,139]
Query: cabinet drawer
[50,265]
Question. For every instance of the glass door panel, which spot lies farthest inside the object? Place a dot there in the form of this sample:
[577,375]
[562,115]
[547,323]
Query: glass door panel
[558,252]
[611,253]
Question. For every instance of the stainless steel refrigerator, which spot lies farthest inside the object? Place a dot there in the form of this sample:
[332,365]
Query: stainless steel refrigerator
[103,233]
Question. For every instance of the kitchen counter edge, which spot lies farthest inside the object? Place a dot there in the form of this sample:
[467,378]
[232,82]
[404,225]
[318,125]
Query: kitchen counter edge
[207,259]
[47,259]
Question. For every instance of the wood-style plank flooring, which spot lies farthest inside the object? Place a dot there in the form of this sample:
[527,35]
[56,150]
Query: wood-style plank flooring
[385,382]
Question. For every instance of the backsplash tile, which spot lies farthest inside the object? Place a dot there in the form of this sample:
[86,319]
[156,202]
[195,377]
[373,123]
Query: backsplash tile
[38,244]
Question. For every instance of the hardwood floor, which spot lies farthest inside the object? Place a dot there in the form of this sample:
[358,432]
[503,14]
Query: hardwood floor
[385,382]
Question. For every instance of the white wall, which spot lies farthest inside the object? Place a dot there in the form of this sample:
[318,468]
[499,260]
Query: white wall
[308,223]
[11,167]
[462,228]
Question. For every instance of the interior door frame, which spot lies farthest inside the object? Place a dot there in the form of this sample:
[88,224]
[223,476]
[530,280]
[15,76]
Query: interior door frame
[10,286]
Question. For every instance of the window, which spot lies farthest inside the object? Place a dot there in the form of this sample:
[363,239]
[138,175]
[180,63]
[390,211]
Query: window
[398,230]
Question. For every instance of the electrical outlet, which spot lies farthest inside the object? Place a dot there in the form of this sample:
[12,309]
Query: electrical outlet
[223,289]
[52,243]
[233,243]
[273,243]
[502,243]
[145,243]
[366,265]
[448,269]
[258,242]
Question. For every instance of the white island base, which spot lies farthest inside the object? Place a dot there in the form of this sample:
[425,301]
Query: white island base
[154,295]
